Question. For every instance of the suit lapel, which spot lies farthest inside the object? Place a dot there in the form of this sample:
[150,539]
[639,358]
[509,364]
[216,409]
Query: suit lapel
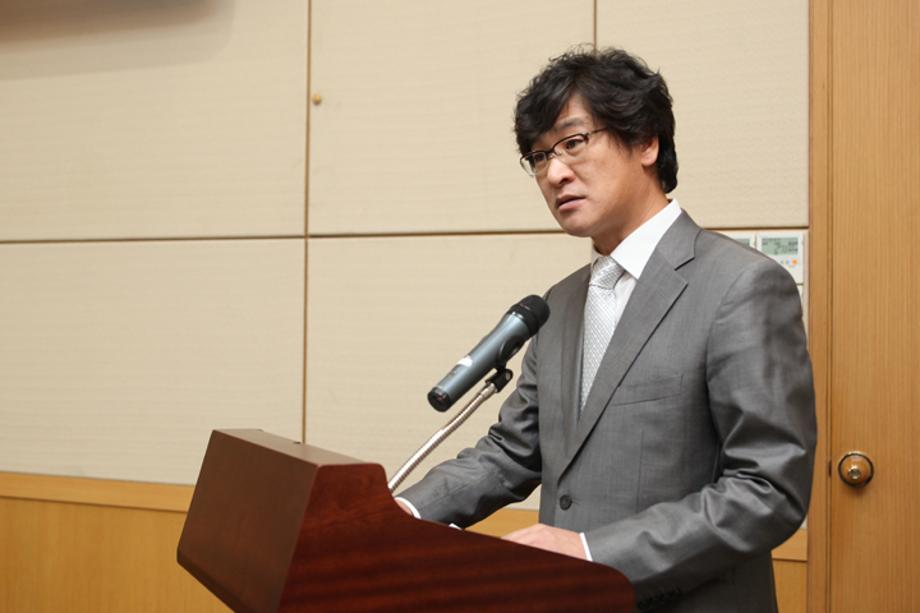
[655,292]
[571,358]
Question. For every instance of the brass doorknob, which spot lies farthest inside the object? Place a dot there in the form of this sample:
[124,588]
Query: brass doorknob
[855,469]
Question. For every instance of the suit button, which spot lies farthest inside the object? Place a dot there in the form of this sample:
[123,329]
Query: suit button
[565,501]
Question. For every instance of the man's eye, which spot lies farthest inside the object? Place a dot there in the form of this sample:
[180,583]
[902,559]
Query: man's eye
[573,143]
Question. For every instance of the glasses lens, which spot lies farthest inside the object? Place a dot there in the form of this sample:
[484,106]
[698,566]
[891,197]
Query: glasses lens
[573,145]
[534,163]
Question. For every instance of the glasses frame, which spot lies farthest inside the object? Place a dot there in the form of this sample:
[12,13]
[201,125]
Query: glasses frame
[551,152]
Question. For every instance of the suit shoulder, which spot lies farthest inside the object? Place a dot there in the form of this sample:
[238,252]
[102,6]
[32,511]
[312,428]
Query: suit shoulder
[728,255]
[722,264]
[713,245]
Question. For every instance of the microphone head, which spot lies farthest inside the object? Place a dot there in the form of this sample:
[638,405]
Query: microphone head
[533,310]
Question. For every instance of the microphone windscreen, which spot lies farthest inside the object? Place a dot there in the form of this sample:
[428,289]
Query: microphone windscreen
[533,310]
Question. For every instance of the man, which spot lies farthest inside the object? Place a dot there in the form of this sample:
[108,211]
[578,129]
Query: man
[667,405]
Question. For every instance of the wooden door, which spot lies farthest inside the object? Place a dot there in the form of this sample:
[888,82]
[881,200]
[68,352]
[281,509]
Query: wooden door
[866,205]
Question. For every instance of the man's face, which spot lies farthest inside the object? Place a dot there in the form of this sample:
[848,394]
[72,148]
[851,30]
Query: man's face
[608,191]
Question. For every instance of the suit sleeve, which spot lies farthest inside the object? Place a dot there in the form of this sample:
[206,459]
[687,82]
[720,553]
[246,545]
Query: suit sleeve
[502,468]
[761,395]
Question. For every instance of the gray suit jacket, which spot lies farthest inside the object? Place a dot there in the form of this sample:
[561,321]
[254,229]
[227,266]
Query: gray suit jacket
[693,456]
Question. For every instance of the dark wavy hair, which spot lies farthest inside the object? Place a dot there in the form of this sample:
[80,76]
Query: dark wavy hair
[621,92]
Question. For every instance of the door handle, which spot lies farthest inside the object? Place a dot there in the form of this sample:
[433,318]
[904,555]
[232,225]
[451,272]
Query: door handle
[855,469]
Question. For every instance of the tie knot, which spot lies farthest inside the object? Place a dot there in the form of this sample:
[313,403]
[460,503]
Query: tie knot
[605,272]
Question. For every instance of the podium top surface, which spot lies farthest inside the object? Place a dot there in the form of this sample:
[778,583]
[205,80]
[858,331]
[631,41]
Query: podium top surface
[295,449]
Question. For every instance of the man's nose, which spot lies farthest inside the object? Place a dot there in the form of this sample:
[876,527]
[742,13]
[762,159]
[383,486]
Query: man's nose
[558,172]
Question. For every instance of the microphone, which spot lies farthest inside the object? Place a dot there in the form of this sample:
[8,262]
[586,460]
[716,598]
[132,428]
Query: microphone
[520,323]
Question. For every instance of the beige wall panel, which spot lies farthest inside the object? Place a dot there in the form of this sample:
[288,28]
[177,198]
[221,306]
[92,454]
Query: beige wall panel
[738,73]
[414,132]
[388,317]
[118,359]
[152,119]
[90,559]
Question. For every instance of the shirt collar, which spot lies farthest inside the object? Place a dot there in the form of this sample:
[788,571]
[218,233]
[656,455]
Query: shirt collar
[635,250]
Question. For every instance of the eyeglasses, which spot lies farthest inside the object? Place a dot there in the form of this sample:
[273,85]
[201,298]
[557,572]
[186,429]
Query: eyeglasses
[535,163]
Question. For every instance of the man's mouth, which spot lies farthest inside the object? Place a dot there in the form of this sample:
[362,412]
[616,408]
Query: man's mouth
[561,201]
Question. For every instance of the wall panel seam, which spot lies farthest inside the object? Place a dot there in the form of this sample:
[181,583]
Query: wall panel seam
[306,222]
[542,232]
[158,239]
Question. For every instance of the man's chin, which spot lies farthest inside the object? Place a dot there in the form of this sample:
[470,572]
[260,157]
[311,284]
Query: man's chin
[574,229]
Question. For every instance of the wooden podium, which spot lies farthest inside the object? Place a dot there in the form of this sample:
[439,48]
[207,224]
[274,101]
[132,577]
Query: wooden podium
[275,525]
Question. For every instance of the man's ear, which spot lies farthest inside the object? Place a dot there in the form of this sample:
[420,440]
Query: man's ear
[648,152]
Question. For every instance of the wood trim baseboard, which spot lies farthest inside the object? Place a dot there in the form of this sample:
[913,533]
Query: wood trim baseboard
[100,492]
[176,498]
[795,549]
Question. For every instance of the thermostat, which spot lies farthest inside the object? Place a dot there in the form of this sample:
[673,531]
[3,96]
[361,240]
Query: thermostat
[786,247]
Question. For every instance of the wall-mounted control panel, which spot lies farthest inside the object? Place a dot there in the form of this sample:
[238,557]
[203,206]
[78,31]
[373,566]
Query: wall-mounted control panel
[786,247]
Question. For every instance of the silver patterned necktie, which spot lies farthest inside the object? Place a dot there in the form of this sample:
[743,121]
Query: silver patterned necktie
[600,308]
